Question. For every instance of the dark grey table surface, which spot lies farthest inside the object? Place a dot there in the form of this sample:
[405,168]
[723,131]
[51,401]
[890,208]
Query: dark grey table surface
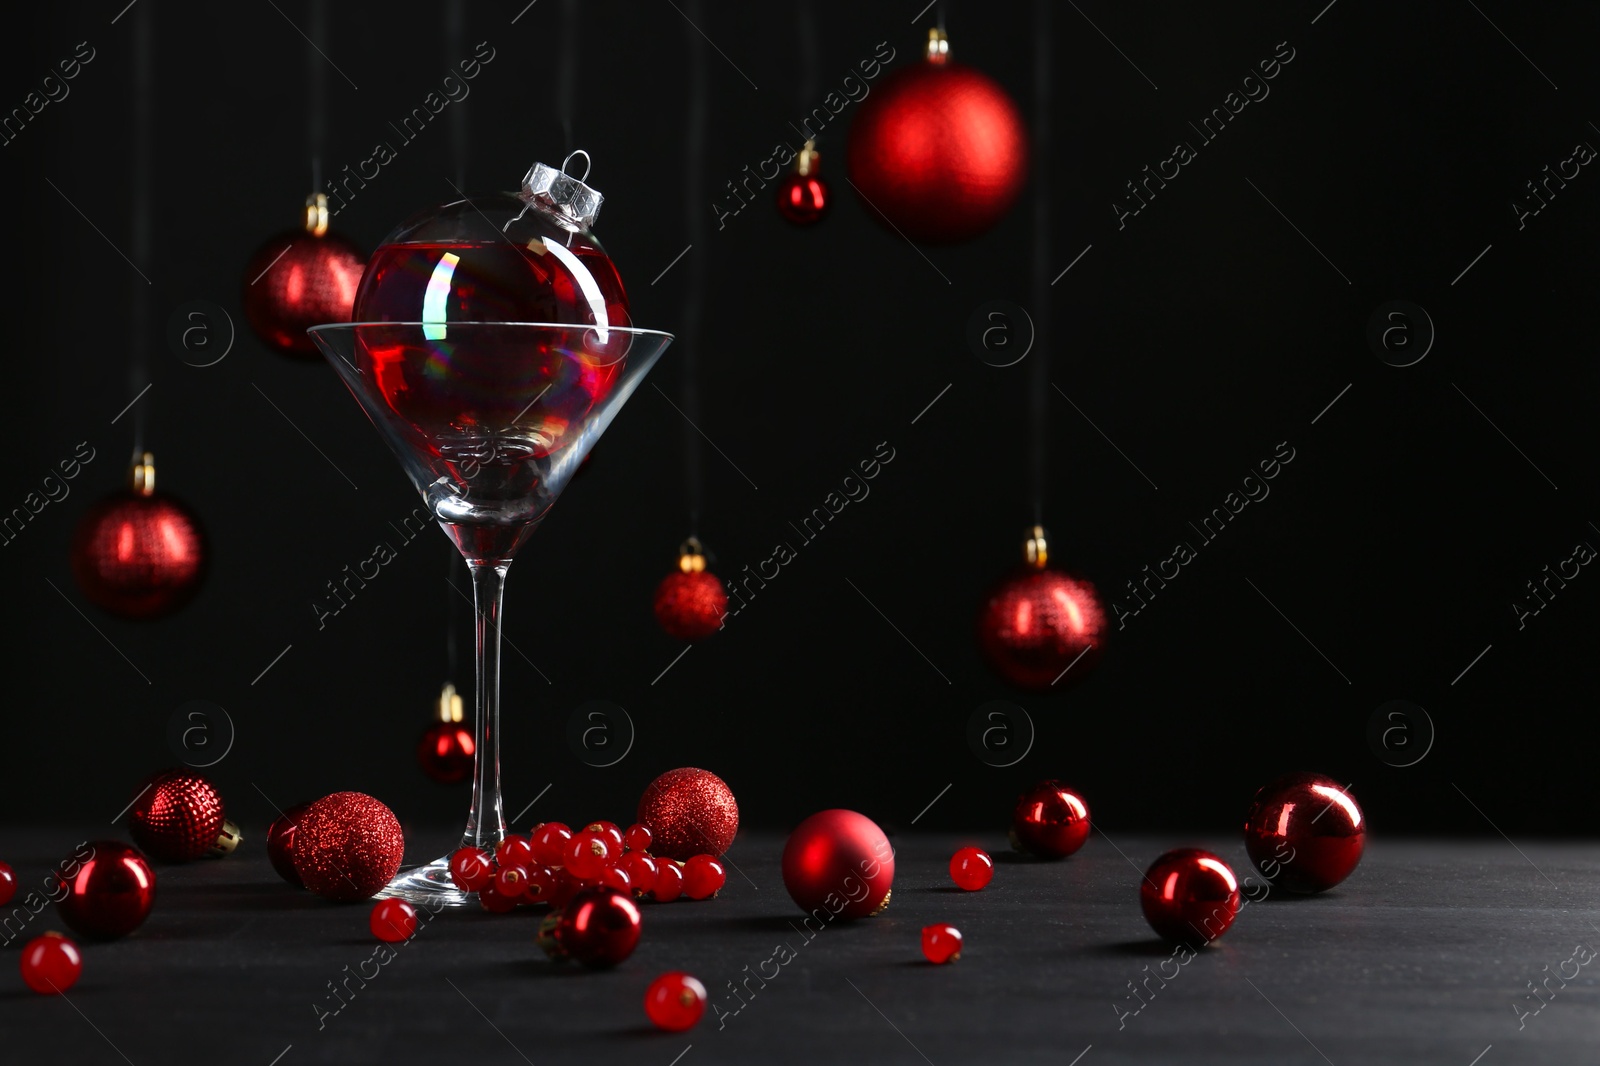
[1424,956]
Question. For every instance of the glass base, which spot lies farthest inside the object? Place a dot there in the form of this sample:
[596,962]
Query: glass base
[426,886]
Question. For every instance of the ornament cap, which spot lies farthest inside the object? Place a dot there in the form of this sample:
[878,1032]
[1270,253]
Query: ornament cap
[142,478]
[448,706]
[227,841]
[691,556]
[808,161]
[558,193]
[317,214]
[1036,550]
[938,46]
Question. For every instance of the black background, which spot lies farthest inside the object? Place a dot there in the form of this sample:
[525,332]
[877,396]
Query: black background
[1197,338]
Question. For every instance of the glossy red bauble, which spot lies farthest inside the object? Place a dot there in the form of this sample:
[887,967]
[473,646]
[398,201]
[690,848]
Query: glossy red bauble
[690,606]
[803,198]
[689,812]
[297,280]
[8,884]
[971,868]
[703,877]
[110,893]
[446,751]
[347,846]
[139,556]
[178,816]
[838,863]
[280,844]
[471,868]
[393,920]
[596,927]
[669,881]
[1041,629]
[50,964]
[941,943]
[1189,896]
[675,1001]
[1305,832]
[1050,820]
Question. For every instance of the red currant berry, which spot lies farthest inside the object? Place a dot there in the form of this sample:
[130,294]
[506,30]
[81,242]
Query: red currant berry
[514,850]
[703,877]
[563,887]
[615,877]
[608,830]
[511,881]
[669,882]
[637,838]
[8,884]
[51,964]
[494,901]
[550,843]
[971,868]
[470,869]
[675,1001]
[541,885]
[587,854]
[941,943]
[641,870]
[393,920]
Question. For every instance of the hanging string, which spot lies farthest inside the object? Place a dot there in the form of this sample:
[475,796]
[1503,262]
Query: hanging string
[143,156]
[454,33]
[566,92]
[1039,399]
[808,55]
[317,92]
[694,210]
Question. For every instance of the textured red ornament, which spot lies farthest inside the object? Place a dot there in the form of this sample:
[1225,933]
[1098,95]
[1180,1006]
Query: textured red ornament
[139,556]
[110,893]
[839,862]
[1304,832]
[280,844]
[689,812]
[1050,820]
[596,927]
[690,606]
[938,150]
[178,816]
[347,846]
[50,964]
[297,280]
[675,1001]
[1041,627]
[1189,896]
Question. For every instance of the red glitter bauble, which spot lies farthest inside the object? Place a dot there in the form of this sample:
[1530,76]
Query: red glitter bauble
[838,863]
[689,812]
[445,752]
[297,280]
[347,846]
[803,198]
[1305,832]
[1050,820]
[110,893]
[1189,896]
[939,151]
[280,843]
[178,816]
[50,964]
[1042,628]
[596,927]
[691,606]
[139,555]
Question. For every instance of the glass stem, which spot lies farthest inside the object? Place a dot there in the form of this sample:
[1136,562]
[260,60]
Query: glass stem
[486,825]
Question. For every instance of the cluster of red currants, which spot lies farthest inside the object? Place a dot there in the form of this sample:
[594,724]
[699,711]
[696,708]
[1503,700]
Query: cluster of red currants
[50,963]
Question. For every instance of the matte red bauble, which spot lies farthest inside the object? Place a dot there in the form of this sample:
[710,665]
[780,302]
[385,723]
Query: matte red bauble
[938,150]
[139,554]
[280,843]
[690,604]
[803,196]
[840,864]
[1042,628]
[596,927]
[347,846]
[1189,896]
[446,749]
[689,812]
[300,279]
[110,893]
[178,816]
[1050,821]
[1305,832]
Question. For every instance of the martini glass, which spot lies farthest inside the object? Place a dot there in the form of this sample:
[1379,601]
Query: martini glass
[490,420]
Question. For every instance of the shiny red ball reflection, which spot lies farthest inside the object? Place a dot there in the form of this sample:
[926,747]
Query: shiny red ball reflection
[1305,832]
[803,198]
[110,893]
[1050,820]
[1189,896]
[1042,628]
[446,751]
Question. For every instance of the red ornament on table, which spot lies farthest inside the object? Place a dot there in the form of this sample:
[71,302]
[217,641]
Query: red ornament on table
[8,883]
[1042,629]
[669,881]
[347,846]
[446,749]
[938,150]
[689,812]
[1189,896]
[703,877]
[690,604]
[139,554]
[110,893]
[675,1001]
[802,194]
[280,844]
[393,920]
[597,927]
[1304,832]
[300,279]
[178,816]
[839,862]
[971,868]
[50,964]
[941,943]
[1050,820]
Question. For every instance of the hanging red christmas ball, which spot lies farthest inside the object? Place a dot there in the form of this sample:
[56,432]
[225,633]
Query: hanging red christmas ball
[50,964]
[597,927]
[178,816]
[802,194]
[280,843]
[690,604]
[300,279]
[840,864]
[1042,628]
[938,150]
[1304,832]
[1189,896]
[446,749]
[110,893]
[347,846]
[1050,820]
[689,812]
[139,554]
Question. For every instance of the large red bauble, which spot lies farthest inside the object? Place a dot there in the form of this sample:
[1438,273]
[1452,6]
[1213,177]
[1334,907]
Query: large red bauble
[690,606]
[1304,832]
[347,846]
[297,280]
[596,927]
[939,150]
[1050,820]
[110,893]
[445,752]
[839,862]
[1189,896]
[178,816]
[689,812]
[139,556]
[280,843]
[1041,627]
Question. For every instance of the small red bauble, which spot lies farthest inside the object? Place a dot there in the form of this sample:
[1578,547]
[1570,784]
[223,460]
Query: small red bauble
[637,838]
[549,842]
[110,893]
[1305,832]
[8,884]
[641,869]
[280,844]
[51,964]
[1189,896]
[675,1001]
[941,943]
[703,877]
[669,881]
[139,554]
[1050,820]
[447,747]
[802,194]
[393,920]
[689,812]
[597,927]
[588,854]
[839,862]
[471,868]
[347,846]
[690,606]
[971,868]
[938,150]
[178,816]
[300,279]
[1041,628]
